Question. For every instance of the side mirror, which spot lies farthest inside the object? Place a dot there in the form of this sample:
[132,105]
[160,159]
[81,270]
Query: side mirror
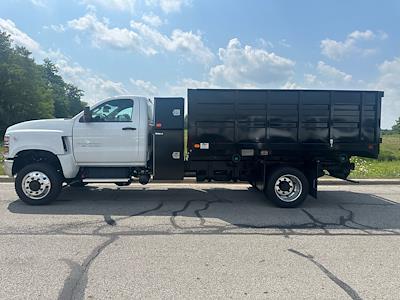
[87,116]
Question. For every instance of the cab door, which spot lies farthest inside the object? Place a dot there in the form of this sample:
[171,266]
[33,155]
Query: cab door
[110,137]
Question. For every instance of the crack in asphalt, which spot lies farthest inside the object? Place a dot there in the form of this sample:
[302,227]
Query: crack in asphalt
[344,222]
[343,285]
[286,230]
[216,228]
[75,284]
[112,222]
[207,205]
[109,220]
[351,217]
[175,213]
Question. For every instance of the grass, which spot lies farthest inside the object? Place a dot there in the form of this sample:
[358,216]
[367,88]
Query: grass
[390,148]
[386,166]
[376,169]
[185,138]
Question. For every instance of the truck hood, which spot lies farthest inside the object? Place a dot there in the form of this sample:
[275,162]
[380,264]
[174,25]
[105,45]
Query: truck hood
[62,125]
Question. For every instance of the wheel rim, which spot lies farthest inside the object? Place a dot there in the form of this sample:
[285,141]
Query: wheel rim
[288,188]
[36,185]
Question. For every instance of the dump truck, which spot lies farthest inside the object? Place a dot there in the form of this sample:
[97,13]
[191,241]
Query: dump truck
[279,141]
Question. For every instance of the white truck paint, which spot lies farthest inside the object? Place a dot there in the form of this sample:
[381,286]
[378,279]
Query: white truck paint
[77,143]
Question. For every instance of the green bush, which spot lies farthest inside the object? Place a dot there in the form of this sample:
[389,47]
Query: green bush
[387,155]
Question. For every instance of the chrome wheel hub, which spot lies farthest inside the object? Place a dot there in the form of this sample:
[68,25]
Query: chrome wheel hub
[36,185]
[288,188]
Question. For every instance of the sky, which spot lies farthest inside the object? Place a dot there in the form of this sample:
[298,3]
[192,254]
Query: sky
[163,47]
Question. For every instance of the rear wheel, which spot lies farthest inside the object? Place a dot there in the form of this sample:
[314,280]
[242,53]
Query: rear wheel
[38,184]
[287,187]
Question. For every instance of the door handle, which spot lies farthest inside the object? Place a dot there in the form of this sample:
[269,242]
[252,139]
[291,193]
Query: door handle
[129,128]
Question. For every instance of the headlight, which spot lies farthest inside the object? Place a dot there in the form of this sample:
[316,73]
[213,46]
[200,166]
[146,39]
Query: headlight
[6,145]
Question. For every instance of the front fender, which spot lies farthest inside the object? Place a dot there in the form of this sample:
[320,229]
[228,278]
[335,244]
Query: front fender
[47,140]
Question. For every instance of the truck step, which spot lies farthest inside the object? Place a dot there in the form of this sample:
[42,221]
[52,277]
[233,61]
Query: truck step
[112,180]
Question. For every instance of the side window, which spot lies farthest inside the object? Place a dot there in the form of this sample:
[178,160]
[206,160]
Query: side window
[120,110]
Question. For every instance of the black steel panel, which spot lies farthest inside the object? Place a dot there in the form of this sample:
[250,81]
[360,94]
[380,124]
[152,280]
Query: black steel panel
[219,133]
[283,97]
[248,134]
[346,97]
[168,155]
[315,97]
[283,120]
[169,113]
[318,134]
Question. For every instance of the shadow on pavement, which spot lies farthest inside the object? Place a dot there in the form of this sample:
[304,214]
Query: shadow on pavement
[245,208]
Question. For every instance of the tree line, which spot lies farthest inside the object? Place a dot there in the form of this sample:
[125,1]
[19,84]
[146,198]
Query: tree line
[29,90]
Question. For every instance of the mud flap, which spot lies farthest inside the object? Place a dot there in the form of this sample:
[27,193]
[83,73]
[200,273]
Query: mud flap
[312,176]
[314,187]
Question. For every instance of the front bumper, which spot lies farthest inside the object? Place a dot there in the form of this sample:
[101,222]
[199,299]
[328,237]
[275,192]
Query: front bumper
[8,164]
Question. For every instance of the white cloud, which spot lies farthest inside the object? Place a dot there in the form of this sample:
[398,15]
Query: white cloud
[152,20]
[142,38]
[264,43]
[310,79]
[329,77]
[40,3]
[249,67]
[339,49]
[96,87]
[291,85]
[243,67]
[332,73]
[19,37]
[168,6]
[144,87]
[187,43]
[102,35]
[57,28]
[362,35]
[180,88]
[388,81]
[336,50]
[172,5]
[121,5]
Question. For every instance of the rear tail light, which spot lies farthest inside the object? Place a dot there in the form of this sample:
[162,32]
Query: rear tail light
[6,145]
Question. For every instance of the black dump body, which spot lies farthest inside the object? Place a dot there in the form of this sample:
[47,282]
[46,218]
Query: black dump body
[307,125]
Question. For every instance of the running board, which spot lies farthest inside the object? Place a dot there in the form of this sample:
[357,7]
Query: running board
[107,180]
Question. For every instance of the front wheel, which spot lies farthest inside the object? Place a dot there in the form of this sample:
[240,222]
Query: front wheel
[287,187]
[38,184]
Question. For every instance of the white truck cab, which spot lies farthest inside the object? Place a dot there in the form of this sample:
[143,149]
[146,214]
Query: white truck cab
[113,133]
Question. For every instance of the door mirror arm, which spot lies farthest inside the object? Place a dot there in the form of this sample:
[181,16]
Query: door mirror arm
[87,116]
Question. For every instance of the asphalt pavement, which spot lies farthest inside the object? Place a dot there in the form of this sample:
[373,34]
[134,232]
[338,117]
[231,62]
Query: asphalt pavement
[196,241]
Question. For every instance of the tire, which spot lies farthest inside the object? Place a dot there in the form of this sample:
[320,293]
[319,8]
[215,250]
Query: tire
[287,187]
[38,184]
[78,184]
[123,183]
